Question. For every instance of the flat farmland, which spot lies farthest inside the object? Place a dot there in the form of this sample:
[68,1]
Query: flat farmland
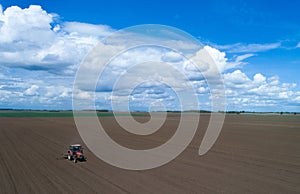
[253,154]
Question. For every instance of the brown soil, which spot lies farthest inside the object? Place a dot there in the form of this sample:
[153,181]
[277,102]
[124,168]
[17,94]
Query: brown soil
[254,154]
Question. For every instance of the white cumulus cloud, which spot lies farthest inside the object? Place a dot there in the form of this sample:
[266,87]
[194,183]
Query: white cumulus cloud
[259,78]
[33,90]
[28,40]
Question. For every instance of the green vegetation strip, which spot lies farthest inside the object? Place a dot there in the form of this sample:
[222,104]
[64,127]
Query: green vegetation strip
[60,114]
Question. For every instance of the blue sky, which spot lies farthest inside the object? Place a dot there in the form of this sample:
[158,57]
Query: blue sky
[261,37]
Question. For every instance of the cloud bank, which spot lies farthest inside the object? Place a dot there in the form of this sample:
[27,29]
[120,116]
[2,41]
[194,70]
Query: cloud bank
[39,56]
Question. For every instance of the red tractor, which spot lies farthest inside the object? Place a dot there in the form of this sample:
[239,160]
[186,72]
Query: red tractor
[75,153]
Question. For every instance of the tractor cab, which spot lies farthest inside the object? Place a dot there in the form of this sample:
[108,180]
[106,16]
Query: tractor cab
[76,148]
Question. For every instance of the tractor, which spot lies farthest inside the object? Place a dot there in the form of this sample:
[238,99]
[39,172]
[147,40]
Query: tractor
[75,153]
